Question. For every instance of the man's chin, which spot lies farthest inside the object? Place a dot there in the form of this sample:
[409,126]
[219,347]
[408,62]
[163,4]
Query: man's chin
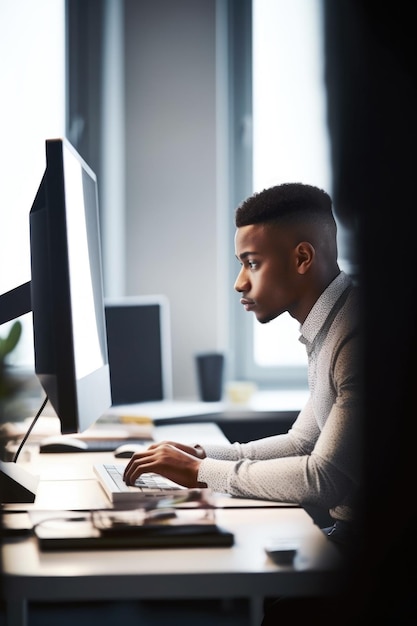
[264,320]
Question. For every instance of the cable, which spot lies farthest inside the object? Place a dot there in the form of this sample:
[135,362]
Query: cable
[35,419]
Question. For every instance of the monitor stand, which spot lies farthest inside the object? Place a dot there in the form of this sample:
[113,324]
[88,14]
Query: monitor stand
[16,484]
[15,302]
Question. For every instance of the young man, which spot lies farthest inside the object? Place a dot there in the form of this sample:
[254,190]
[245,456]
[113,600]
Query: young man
[286,244]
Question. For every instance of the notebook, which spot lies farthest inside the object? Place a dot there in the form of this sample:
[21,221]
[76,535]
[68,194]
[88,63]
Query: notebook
[99,529]
[110,477]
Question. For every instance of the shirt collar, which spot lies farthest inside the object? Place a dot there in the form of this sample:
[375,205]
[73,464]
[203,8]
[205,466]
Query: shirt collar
[322,307]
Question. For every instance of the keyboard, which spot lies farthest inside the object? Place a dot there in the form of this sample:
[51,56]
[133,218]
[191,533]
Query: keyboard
[110,477]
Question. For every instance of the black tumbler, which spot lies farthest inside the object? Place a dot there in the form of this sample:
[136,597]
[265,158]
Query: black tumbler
[210,367]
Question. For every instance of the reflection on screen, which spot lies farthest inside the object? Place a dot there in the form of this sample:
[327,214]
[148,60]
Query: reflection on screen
[88,351]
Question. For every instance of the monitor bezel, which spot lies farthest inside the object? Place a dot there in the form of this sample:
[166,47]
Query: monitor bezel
[78,402]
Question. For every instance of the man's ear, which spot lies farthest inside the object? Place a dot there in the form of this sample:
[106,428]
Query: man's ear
[304,254]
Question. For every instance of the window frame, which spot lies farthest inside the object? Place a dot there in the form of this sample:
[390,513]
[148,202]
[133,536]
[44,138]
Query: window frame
[241,325]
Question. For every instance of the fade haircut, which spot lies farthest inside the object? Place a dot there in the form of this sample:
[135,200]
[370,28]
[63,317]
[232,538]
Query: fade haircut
[290,203]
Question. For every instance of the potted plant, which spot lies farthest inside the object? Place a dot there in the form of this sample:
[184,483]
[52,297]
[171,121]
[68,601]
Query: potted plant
[9,385]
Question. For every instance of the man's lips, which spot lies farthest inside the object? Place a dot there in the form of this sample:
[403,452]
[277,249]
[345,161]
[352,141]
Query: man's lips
[248,304]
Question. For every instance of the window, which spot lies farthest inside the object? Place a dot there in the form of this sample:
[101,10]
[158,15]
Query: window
[32,70]
[289,143]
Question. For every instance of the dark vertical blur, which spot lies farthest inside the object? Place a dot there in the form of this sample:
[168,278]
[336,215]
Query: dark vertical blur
[372,110]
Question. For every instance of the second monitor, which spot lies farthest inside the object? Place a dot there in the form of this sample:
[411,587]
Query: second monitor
[139,348]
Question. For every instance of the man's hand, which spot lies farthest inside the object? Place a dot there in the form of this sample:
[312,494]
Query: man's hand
[175,461]
[193,450]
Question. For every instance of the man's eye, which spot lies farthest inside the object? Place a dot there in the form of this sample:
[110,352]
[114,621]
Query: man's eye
[253,265]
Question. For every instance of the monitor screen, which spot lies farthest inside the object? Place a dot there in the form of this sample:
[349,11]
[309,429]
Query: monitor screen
[69,327]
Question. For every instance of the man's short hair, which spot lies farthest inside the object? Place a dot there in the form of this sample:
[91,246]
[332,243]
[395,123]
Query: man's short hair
[286,203]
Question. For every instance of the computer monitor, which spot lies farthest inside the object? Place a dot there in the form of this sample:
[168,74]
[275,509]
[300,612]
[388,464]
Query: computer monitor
[139,347]
[67,302]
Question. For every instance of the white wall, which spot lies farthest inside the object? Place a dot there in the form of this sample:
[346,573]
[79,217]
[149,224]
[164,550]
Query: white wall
[172,227]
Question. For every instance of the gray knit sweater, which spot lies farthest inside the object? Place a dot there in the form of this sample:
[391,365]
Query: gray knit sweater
[318,462]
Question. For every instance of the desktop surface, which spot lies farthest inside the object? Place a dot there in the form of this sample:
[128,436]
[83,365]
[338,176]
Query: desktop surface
[265,414]
[242,570]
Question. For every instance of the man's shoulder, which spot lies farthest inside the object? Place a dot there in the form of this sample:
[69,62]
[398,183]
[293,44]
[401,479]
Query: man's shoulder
[348,320]
[353,301]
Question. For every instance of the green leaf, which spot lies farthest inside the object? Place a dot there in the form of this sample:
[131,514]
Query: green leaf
[9,343]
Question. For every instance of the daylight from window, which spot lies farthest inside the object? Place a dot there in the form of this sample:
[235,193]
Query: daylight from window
[290,142]
[32,70]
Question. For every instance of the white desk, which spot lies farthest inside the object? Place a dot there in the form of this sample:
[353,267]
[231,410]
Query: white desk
[241,571]
[261,403]
[266,413]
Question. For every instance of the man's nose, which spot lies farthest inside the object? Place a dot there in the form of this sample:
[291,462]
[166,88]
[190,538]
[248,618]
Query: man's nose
[241,281]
